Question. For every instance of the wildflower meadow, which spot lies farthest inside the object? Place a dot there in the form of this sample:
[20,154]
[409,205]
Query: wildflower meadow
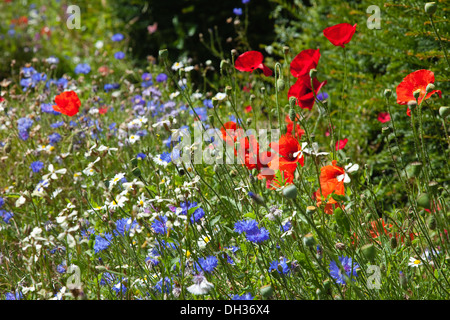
[310,162]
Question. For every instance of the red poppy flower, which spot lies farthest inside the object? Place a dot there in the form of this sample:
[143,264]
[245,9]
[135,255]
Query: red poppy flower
[417,80]
[248,109]
[302,90]
[304,62]
[384,117]
[341,144]
[231,132]
[250,61]
[340,34]
[46,31]
[103,110]
[290,127]
[289,149]
[67,103]
[330,184]
[248,152]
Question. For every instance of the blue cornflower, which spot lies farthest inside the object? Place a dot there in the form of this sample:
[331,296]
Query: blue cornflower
[12,296]
[6,215]
[48,108]
[286,226]
[260,235]
[54,138]
[28,71]
[346,262]
[245,296]
[62,83]
[26,82]
[52,60]
[62,268]
[2,202]
[108,87]
[119,287]
[57,124]
[196,215]
[117,37]
[146,76]
[164,284]
[119,55]
[124,226]
[24,124]
[83,68]
[159,225]
[102,243]
[165,156]
[107,278]
[208,103]
[246,226]
[141,156]
[237,11]
[200,112]
[161,77]
[275,265]
[86,233]
[245,1]
[207,264]
[322,96]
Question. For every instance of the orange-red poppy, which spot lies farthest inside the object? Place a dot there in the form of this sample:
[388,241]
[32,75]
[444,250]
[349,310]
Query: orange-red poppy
[340,34]
[302,90]
[417,80]
[329,184]
[290,127]
[290,153]
[67,103]
[231,132]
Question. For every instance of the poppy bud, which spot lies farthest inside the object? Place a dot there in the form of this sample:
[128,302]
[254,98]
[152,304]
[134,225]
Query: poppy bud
[430,87]
[280,84]
[433,186]
[249,121]
[7,147]
[416,94]
[224,64]
[387,93]
[292,114]
[228,90]
[181,171]
[263,89]
[310,210]
[444,112]
[313,73]
[385,131]
[266,291]
[292,101]
[327,284]
[393,242]
[134,162]
[414,168]
[369,251]
[290,191]
[402,279]
[308,240]
[233,52]
[215,102]
[340,246]
[285,49]
[423,200]
[412,104]
[163,54]
[181,72]
[432,223]
[252,97]
[430,8]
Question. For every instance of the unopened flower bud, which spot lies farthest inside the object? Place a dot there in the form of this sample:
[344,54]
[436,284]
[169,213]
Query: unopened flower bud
[280,84]
[215,102]
[292,114]
[430,8]
[292,101]
[285,49]
[412,104]
[163,54]
[430,87]
[313,73]
[228,90]
[423,201]
[249,121]
[369,251]
[416,94]
[444,112]
[233,52]
[224,64]
[433,186]
[311,210]
[414,168]
[432,223]
[393,242]
[266,291]
[387,93]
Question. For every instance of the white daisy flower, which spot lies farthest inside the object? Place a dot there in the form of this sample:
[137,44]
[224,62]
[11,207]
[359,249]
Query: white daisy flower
[53,173]
[413,262]
[177,65]
[348,168]
[174,95]
[116,179]
[133,138]
[200,286]
[220,95]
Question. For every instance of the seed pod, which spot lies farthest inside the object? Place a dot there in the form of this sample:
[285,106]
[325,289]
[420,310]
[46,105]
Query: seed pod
[163,54]
[433,186]
[313,73]
[444,112]
[292,114]
[266,291]
[387,93]
[136,172]
[290,191]
[414,168]
[308,240]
